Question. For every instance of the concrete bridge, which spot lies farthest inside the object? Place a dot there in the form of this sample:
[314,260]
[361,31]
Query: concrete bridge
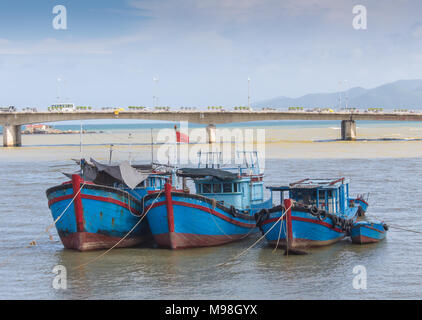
[12,121]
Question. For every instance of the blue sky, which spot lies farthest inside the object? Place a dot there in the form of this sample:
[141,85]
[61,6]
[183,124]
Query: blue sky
[202,51]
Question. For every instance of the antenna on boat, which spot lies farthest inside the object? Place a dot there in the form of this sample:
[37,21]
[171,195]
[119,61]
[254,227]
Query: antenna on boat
[152,148]
[130,148]
[111,152]
[80,140]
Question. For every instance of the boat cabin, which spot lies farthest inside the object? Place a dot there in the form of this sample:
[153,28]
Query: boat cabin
[240,192]
[240,187]
[326,194]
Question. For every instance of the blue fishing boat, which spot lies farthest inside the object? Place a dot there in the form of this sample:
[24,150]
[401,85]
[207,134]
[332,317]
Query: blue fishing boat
[102,204]
[221,211]
[363,232]
[311,213]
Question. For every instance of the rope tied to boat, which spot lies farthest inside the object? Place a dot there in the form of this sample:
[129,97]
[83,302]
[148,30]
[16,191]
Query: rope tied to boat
[257,241]
[65,210]
[126,235]
[214,204]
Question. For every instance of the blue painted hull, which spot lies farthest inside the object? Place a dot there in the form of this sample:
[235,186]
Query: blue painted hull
[179,220]
[362,206]
[98,218]
[364,232]
[301,229]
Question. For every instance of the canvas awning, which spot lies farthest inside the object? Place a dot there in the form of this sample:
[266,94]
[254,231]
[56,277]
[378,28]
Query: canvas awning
[108,174]
[206,172]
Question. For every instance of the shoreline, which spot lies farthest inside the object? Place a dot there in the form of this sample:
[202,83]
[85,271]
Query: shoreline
[280,143]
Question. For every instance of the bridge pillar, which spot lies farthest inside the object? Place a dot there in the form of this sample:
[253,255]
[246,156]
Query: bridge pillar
[211,134]
[12,136]
[348,130]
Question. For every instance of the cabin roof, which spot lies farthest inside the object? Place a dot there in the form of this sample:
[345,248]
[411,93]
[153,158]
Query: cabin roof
[207,172]
[311,184]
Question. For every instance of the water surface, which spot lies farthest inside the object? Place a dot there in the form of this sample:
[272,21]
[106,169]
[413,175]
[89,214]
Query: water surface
[393,266]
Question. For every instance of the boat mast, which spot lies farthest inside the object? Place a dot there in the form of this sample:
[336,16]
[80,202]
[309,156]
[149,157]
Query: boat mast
[152,148]
[80,140]
[111,152]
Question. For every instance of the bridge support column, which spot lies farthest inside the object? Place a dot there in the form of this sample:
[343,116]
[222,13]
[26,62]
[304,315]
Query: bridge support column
[12,136]
[211,134]
[348,130]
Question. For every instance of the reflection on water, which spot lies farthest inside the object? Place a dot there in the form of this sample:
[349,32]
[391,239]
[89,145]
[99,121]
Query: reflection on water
[209,273]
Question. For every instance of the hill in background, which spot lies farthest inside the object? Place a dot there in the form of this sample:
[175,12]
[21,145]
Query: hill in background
[400,94]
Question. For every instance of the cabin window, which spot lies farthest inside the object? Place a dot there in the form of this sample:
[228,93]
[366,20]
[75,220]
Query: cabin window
[322,200]
[305,196]
[227,187]
[217,188]
[235,188]
[332,201]
[206,188]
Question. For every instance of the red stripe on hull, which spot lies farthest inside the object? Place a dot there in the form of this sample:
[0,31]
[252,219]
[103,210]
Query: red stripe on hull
[175,240]
[208,210]
[315,221]
[303,243]
[98,198]
[372,228]
[364,239]
[84,241]
[363,201]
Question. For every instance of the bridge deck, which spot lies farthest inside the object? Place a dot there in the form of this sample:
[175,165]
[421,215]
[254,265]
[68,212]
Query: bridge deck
[201,117]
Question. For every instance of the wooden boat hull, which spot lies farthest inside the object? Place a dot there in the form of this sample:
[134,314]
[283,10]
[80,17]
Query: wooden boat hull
[364,232]
[179,220]
[98,218]
[299,229]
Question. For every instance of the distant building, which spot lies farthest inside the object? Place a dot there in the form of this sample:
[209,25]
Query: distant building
[37,128]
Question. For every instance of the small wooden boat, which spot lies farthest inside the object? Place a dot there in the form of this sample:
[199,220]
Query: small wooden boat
[221,211]
[364,232]
[314,213]
[99,206]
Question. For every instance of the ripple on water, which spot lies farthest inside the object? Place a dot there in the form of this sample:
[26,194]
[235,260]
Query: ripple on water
[146,273]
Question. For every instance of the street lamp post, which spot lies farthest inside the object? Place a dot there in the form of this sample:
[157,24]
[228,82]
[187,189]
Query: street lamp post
[249,93]
[346,93]
[154,97]
[346,98]
[58,89]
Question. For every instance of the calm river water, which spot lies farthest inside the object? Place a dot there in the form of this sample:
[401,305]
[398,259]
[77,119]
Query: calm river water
[393,266]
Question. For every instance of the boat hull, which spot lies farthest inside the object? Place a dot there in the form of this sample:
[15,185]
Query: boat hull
[84,241]
[97,217]
[366,232]
[179,220]
[299,229]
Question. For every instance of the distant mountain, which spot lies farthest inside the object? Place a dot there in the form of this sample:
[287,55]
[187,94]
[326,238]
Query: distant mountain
[400,94]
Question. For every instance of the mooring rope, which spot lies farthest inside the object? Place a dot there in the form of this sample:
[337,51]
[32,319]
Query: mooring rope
[218,226]
[404,229]
[34,241]
[67,207]
[394,226]
[256,242]
[127,234]
[279,233]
